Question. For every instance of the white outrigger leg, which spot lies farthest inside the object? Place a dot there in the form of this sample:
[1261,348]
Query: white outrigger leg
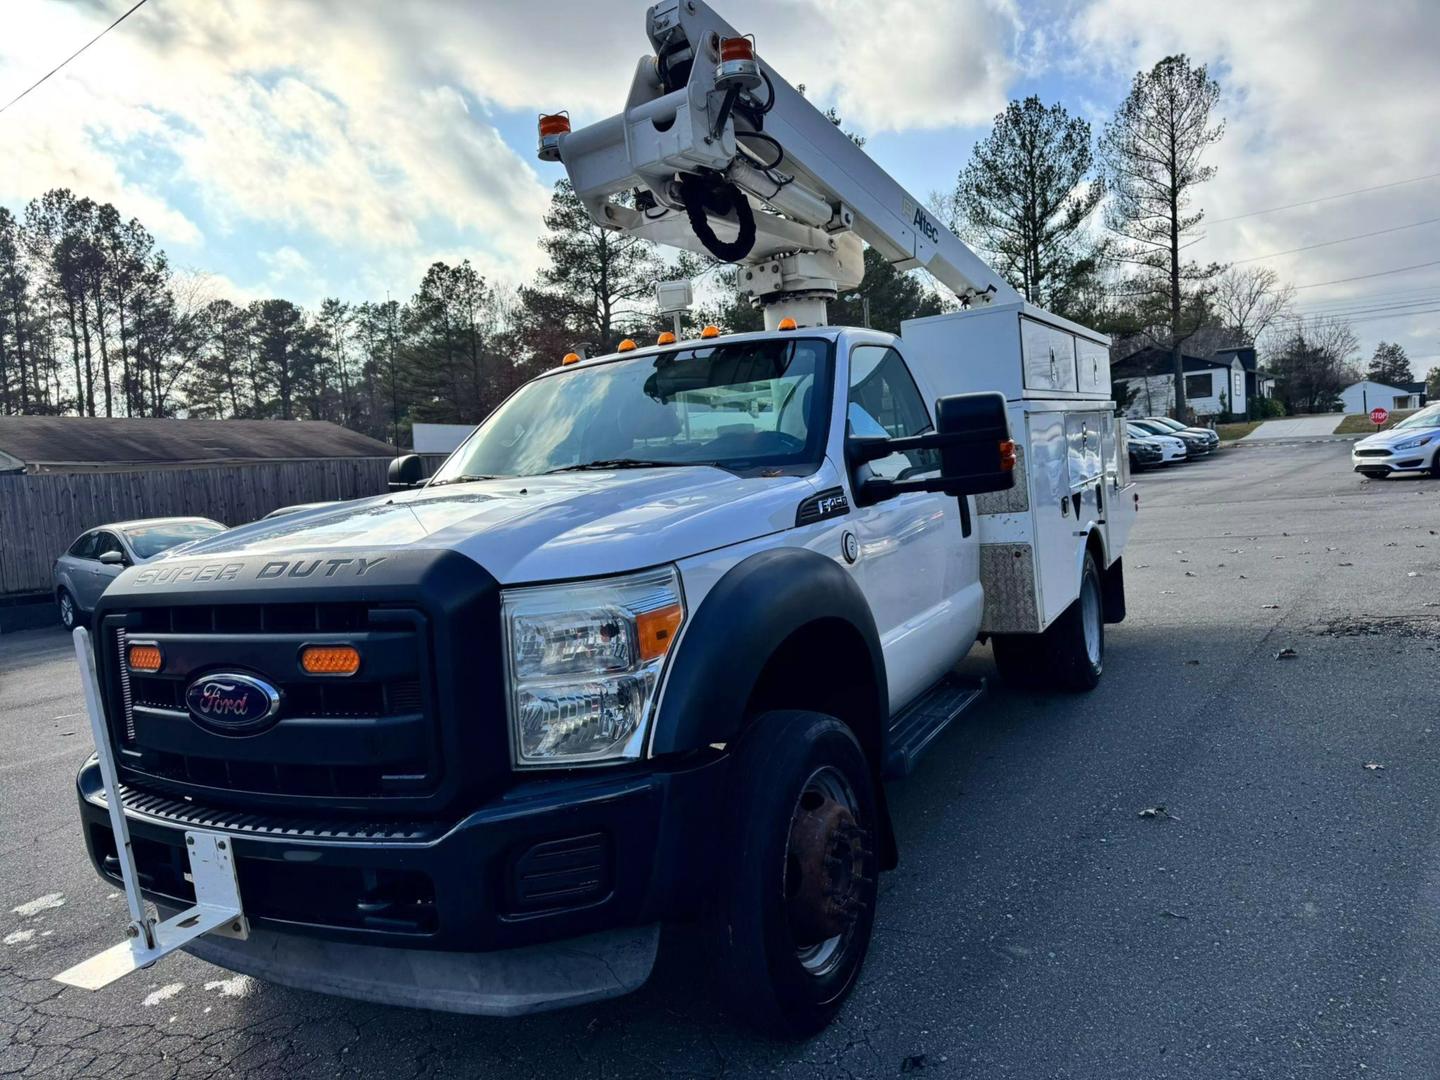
[212,870]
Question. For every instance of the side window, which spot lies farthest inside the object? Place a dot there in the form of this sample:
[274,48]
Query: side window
[885,401]
[84,548]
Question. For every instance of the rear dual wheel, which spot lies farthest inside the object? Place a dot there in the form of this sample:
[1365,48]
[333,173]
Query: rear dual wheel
[1070,654]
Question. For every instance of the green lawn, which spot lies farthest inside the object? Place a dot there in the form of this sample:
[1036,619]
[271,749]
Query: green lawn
[1231,432]
[1359,423]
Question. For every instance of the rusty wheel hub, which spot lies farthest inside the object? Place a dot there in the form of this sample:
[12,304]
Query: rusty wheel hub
[826,888]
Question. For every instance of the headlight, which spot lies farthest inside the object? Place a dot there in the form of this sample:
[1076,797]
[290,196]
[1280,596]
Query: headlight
[1411,444]
[585,661]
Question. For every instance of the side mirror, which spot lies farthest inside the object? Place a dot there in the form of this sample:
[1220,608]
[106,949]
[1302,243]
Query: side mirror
[973,438]
[112,558]
[406,472]
[978,455]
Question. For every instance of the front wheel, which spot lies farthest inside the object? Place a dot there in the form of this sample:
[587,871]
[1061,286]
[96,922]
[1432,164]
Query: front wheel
[791,924]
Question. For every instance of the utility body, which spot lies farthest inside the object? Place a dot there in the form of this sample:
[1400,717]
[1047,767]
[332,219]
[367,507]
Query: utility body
[649,645]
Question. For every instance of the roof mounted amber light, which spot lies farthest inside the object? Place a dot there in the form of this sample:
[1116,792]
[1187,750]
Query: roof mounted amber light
[145,658]
[571,358]
[710,331]
[665,338]
[626,346]
[786,323]
[329,660]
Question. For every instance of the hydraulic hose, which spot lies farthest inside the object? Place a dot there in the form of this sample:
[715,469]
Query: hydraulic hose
[700,194]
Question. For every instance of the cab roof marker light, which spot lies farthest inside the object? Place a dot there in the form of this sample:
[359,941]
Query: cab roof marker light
[710,332]
[665,338]
[627,345]
[570,358]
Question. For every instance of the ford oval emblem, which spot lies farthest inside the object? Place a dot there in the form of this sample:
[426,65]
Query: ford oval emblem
[231,704]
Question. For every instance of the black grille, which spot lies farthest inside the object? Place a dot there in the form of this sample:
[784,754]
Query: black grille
[1372,452]
[370,736]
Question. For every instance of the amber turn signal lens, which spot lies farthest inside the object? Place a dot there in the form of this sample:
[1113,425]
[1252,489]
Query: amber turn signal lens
[1007,455]
[571,358]
[656,629]
[710,331]
[330,659]
[145,658]
[665,338]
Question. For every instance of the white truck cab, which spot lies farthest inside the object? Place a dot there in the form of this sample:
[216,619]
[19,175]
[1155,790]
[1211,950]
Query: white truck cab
[650,643]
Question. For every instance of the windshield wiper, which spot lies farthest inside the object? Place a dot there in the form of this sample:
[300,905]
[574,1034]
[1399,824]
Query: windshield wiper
[465,478]
[621,463]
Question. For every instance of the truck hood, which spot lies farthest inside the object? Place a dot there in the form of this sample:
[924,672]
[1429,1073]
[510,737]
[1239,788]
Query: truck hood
[1393,437]
[544,528]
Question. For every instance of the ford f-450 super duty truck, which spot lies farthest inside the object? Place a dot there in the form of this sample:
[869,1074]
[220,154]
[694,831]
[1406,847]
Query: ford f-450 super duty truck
[650,643]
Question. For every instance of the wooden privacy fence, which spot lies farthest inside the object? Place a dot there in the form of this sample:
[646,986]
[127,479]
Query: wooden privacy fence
[42,513]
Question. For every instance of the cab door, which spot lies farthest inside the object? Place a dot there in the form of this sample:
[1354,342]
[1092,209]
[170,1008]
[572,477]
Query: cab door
[917,566]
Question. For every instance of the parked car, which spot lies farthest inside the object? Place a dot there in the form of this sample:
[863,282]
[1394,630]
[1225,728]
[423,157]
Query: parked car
[1172,448]
[96,558]
[1144,453]
[1176,427]
[1412,445]
[1196,445]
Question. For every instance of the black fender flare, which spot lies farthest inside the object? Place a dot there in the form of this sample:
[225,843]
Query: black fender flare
[751,610]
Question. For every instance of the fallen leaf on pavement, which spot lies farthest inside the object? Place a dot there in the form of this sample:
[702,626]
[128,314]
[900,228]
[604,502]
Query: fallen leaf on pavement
[1193,663]
[1173,914]
[1191,573]
[1345,564]
[1374,766]
[912,1063]
[1286,653]
[1270,607]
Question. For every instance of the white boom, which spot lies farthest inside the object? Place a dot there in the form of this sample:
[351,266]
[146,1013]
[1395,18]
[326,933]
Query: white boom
[711,137]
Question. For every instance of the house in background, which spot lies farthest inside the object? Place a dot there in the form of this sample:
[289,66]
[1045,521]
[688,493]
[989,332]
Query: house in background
[1366,394]
[1258,384]
[1213,385]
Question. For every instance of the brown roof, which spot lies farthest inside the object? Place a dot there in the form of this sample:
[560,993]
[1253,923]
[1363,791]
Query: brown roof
[50,442]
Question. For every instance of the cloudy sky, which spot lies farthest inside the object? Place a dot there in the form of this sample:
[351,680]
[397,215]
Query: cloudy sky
[307,148]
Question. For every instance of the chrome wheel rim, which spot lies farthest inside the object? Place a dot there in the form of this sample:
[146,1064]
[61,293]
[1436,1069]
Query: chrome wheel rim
[1090,620]
[67,611]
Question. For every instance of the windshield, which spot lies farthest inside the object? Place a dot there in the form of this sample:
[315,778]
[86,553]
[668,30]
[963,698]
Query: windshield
[1425,418]
[741,406]
[150,540]
[1160,421]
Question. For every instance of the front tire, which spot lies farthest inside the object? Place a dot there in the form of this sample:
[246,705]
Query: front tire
[791,924]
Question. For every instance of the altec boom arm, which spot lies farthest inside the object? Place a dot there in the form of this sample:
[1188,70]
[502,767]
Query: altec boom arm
[724,156]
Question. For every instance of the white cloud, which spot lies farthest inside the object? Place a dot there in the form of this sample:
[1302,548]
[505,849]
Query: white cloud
[1318,98]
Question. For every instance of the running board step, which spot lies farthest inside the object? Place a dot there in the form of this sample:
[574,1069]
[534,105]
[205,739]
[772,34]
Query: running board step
[915,728]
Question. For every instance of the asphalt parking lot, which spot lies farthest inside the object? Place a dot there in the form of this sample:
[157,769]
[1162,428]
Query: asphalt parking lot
[1279,918]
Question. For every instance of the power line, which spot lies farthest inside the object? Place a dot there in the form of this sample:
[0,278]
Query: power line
[1365,277]
[1342,240]
[72,56]
[1324,198]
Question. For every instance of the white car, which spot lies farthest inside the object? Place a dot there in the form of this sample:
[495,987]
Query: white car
[1172,449]
[1410,446]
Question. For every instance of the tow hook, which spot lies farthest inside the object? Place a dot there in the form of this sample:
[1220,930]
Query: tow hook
[827,856]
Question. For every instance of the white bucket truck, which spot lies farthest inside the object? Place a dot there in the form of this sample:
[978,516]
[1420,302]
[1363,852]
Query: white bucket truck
[650,643]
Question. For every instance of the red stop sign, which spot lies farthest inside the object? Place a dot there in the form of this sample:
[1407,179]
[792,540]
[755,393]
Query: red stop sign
[1378,415]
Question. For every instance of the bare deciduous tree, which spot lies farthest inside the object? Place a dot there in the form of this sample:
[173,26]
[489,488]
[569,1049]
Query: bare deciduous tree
[1251,300]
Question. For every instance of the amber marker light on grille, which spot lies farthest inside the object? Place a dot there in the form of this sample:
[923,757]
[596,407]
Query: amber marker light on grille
[145,658]
[330,659]
[656,629]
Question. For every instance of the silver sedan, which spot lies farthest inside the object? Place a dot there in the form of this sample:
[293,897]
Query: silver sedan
[98,556]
